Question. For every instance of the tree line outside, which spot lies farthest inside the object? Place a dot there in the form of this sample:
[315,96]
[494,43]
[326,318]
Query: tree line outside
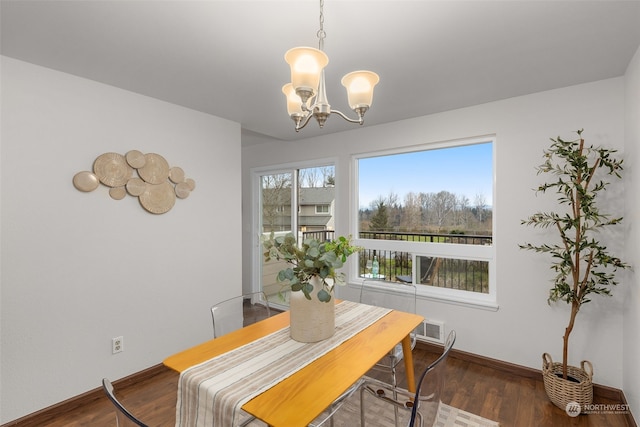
[433,213]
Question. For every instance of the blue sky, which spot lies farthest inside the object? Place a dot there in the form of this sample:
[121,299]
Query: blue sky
[464,170]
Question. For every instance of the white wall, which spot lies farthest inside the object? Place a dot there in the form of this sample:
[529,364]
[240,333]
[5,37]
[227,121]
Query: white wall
[80,268]
[525,326]
[631,343]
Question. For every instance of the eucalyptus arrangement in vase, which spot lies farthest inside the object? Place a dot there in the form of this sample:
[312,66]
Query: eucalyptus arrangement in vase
[311,277]
[312,259]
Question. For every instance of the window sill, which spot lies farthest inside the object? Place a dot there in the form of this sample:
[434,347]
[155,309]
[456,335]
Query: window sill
[482,304]
[454,297]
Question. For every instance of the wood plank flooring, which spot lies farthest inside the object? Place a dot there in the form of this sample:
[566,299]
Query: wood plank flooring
[510,399]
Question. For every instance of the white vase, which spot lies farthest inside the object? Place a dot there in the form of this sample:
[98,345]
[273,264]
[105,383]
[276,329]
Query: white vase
[311,320]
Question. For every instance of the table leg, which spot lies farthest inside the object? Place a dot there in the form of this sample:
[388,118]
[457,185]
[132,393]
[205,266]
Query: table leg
[408,364]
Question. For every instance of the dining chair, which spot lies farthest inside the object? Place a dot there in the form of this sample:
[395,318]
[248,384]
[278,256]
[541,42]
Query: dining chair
[427,270]
[414,409]
[397,296]
[235,313]
[327,417]
[238,312]
[123,416]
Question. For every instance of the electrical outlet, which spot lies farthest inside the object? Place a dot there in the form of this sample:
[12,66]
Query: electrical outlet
[117,345]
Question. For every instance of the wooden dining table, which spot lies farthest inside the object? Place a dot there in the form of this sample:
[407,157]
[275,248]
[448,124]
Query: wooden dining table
[300,398]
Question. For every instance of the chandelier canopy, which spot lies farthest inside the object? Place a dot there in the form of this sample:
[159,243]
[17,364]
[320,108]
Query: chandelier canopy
[306,94]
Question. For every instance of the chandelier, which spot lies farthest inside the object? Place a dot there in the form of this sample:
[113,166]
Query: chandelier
[306,94]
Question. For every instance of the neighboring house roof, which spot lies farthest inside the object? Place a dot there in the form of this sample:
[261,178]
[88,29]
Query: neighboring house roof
[308,195]
[321,220]
[317,196]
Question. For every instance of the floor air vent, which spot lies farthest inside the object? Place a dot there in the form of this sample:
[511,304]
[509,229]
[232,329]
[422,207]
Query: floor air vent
[431,330]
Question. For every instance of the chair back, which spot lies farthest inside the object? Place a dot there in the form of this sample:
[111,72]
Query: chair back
[238,312]
[430,386]
[123,416]
[398,296]
[427,268]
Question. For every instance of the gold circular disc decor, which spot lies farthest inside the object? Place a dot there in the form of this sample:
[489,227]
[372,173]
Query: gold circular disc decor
[117,193]
[191,183]
[135,159]
[176,174]
[155,169]
[159,198]
[112,169]
[183,190]
[86,181]
[136,186]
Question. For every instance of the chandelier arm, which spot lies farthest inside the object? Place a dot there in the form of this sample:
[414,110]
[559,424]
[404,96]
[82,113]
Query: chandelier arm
[303,122]
[359,121]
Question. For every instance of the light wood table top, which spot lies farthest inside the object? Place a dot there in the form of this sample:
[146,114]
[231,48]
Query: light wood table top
[300,398]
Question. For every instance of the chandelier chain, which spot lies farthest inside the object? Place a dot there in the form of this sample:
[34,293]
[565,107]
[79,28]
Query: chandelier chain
[321,34]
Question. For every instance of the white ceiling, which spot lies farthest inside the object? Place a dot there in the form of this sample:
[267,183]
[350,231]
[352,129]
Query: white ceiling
[225,57]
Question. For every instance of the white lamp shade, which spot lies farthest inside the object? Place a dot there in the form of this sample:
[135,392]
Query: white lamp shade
[294,103]
[359,86]
[306,66]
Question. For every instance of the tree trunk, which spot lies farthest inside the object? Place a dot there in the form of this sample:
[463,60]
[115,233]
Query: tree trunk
[565,348]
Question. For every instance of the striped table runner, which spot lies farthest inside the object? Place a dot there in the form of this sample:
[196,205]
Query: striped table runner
[213,392]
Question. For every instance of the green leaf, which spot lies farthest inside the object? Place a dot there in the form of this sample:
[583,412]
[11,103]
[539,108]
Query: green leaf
[313,252]
[324,296]
[307,288]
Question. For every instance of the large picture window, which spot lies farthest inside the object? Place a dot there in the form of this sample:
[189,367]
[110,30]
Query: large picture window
[426,217]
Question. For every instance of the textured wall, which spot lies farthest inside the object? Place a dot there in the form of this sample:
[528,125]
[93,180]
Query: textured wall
[81,268]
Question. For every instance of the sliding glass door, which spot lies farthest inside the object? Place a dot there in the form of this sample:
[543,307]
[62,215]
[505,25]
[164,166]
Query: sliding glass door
[299,201]
[277,216]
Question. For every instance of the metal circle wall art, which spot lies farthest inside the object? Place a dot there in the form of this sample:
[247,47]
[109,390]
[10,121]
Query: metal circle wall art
[155,169]
[112,169]
[158,198]
[157,185]
[86,181]
[135,159]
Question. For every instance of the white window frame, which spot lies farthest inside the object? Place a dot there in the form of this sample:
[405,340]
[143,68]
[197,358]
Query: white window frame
[257,252]
[487,301]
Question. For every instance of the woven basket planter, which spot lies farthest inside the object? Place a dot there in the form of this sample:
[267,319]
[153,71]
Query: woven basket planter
[561,391]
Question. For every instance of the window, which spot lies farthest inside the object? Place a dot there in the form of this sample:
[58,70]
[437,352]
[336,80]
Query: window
[290,201]
[426,216]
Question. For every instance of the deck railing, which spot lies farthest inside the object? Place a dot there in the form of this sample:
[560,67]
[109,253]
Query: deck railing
[396,266]
[320,235]
[465,239]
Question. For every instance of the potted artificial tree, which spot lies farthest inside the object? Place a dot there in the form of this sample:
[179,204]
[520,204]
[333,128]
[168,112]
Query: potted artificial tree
[582,264]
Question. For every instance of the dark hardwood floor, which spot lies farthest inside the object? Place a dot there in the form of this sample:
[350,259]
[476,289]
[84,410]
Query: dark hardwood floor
[511,399]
